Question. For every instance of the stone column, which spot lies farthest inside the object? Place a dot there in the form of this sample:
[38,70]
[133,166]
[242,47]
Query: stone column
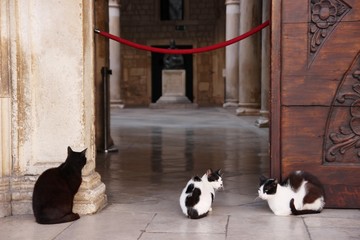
[52,96]
[231,54]
[114,26]
[5,111]
[250,59]
[5,156]
[263,120]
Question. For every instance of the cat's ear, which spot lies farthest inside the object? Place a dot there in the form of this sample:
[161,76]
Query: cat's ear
[209,172]
[84,152]
[69,150]
[218,172]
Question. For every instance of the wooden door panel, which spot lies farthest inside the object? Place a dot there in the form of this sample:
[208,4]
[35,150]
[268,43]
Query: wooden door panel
[337,51]
[303,129]
[342,133]
[301,90]
[294,47]
[302,134]
[334,58]
[294,11]
[302,149]
[319,101]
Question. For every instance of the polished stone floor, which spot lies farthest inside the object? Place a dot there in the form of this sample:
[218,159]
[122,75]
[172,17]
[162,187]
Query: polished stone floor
[159,150]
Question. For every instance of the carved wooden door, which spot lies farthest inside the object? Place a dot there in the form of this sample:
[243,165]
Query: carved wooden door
[316,94]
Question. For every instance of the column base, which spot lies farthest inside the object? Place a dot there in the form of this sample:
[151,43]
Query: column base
[21,194]
[117,104]
[89,199]
[265,113]
[5,197]
[241,111]
[230,104]
[262,122]
[91,196]
[252,109]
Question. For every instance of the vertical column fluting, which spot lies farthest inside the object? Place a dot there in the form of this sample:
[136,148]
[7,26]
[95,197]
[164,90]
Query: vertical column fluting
[250,59]
[115,57]
[232,57]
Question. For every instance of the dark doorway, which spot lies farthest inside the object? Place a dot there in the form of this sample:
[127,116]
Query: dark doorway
[157,66]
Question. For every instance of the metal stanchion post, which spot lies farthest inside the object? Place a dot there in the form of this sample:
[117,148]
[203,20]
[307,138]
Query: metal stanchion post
[105,72]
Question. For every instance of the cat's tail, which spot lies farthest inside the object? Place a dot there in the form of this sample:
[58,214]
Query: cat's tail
[193,214]
[294,211]
[67,218]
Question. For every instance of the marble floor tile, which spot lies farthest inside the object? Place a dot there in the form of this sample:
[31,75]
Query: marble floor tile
[260,226]
[170,223]
[25,227]
[183,236]
[110,223]
[327,233]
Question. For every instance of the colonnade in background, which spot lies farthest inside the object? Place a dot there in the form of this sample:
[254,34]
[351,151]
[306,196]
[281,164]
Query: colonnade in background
[247,70]
[247,62]
[114,54]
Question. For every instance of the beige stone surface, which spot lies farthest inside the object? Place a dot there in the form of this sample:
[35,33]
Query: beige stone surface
[173,89]
[173,82]
[49,102]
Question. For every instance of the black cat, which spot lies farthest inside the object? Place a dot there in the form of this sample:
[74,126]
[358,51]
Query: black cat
[55,189]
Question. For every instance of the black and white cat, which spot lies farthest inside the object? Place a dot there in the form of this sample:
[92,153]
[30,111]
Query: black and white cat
[300,193]
[197,197]
[55,189]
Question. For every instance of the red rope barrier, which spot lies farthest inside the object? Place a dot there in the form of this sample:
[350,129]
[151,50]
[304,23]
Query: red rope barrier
[184,51]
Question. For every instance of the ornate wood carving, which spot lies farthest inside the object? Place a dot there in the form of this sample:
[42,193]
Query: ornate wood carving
[324,17]
[342,138]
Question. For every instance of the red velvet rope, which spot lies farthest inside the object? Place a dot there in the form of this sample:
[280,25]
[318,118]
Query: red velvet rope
[184,51]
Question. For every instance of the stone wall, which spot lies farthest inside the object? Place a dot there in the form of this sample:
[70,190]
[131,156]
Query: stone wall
[204,23]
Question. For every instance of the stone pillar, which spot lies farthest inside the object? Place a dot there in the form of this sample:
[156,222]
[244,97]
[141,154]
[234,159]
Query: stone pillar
[51,69]
[231,54]
[263,120]
[250,59]
[5,155]
[5,111]
[114,26]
